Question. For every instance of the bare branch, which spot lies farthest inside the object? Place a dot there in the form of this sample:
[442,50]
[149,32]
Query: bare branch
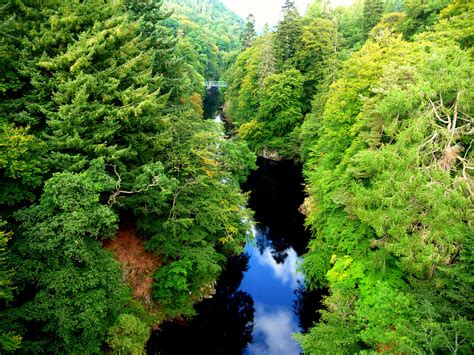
[117,193]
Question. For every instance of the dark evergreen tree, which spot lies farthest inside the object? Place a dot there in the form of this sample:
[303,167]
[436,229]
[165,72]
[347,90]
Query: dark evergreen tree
[287,35]
[373,10]
[247,37]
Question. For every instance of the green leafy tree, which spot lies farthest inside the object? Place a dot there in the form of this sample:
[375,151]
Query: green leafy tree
[280,107]
[390,200]
[21,165]
[245,79]
[203,222]
[78,286]
[350,20]
[128,335]
[9,341]
[316,57]
[213,30]
[421,15]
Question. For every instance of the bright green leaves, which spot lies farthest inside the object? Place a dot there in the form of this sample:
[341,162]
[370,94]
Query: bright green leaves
[20,163]
[276,106]
[172,288]
[212,29]
[422,15]
[184,281]
[9,341]
[247,37]
[366,303]
[424,207]
[373,10]
[287,35]
[128,335]
[390,190]
[5,274]
[280,108]
[315,57]
[70,211]
[202,219]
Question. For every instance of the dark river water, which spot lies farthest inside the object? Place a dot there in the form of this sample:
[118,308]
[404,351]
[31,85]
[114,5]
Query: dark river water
[260,300]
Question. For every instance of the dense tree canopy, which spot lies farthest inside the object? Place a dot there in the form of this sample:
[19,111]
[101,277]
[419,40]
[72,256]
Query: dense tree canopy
[391,196]
[209,29]
[386,142]
[101,129]
[101,122]
[247,37]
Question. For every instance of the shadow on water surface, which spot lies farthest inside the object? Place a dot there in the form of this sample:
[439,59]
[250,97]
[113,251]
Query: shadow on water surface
[223,324]
[276,196]
[212,103]
[260,300]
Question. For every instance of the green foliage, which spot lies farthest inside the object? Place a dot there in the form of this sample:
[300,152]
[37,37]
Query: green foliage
[280,108]
[179,73]
[391,198]
[5,274]
[247,37]
[212,29]
[316,57]
[244,84]
[20,163]
[9,341]
[421,15]
[182,281]
[203,222]
[101,117]
[287,35]
[455,25]
[128,335]
[351,24]
[373,10]
[278,111]
[58,242]
[273,83]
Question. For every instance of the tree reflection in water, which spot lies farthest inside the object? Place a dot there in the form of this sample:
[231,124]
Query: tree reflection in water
[307,306]
[223,324]
[212,102]
[276,195]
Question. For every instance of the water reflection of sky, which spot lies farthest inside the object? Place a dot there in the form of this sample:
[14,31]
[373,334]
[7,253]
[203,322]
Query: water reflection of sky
[272,286]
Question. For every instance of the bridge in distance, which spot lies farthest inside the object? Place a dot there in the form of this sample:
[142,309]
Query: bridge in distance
[215,84]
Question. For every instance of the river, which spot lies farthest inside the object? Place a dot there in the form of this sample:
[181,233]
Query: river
[260,300]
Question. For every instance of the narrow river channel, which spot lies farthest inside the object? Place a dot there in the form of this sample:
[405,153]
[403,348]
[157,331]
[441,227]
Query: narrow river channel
[260,301]
[272,279]
[258,304]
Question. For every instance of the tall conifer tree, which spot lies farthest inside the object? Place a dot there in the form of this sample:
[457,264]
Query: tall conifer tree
[373,10]
[248,35]
[287,35]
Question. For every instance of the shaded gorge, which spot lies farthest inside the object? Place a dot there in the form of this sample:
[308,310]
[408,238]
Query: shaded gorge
[260,300]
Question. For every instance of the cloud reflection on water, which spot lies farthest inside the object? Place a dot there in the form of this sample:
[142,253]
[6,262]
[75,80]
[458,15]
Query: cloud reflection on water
[272,332]
[273,293]
[286,272]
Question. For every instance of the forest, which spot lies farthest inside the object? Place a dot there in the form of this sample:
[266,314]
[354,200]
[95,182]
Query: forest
[120,205]
[378,106]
